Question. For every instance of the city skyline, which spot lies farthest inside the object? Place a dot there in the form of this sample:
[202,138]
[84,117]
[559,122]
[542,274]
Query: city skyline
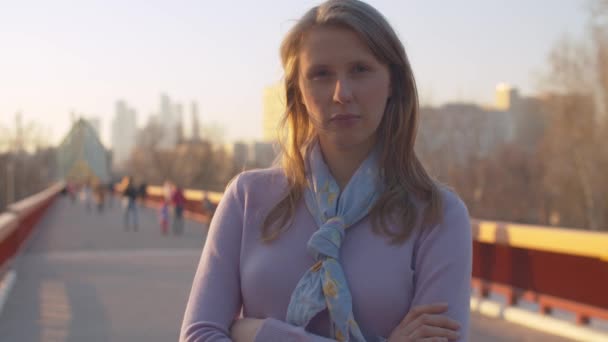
[195,55]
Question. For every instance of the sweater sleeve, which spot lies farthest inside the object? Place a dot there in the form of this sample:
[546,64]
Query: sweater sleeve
[273,330]
[215,298]
[443,264]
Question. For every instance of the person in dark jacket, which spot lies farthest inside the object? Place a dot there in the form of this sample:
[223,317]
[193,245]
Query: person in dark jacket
[142,192]
[179,202]
[130,197]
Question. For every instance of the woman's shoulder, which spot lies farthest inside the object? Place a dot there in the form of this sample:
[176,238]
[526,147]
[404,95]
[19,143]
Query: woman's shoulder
[455,223]
[451,202]
[260,178]
[453,228]
[259,183]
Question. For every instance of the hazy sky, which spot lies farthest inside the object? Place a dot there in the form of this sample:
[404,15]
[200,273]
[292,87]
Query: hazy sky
[57,56]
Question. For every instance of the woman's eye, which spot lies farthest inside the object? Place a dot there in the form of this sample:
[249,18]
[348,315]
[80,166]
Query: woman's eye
[319,74]
[360,68]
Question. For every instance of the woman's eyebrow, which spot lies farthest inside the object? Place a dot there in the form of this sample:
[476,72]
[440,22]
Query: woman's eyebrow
[317,66]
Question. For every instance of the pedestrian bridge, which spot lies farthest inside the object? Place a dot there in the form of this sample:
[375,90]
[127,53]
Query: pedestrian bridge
[72,274]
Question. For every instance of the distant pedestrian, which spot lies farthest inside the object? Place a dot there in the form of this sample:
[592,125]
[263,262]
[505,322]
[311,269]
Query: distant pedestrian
[110,187]
[85,195]
[142,191]
[208,206]
[167,190]
[179,201]
[130,204]
[100,196]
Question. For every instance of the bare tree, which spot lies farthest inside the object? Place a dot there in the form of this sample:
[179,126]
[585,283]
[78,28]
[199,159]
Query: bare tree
[23,136]
[572,150]
[26,165]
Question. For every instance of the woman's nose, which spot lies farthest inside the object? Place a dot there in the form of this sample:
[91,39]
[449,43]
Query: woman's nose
[343,91]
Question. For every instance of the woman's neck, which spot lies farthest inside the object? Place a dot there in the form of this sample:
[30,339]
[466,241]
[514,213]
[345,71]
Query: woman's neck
[344,161]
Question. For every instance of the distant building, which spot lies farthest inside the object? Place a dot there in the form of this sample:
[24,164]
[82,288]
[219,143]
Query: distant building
[240,155]
[179,123]
[96,124]
[81,156]
[167,122]
[505,96]
[274,109]
[264,154]
[171,119]
[124,132]
[196,126]
[466,130]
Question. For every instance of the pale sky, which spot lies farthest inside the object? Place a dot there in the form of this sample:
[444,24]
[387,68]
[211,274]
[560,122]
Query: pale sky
[57,56]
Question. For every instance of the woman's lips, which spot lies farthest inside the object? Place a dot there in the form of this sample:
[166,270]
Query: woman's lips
[345,119]
[346,116]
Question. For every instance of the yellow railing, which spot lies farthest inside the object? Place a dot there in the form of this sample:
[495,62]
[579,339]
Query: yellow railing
[551,239]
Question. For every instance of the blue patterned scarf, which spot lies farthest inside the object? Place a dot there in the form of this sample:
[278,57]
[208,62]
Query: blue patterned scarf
[324,284]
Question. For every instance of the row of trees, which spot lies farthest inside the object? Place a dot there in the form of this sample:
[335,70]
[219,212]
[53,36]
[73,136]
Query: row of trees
[26,161]
[196,164]
[24,173]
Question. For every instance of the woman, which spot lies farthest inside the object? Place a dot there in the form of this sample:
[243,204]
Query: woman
[349,239]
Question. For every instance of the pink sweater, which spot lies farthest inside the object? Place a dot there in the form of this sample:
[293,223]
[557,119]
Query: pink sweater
[239,276]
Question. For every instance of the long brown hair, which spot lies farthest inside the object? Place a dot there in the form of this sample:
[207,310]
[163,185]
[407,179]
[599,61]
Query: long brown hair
[404,175]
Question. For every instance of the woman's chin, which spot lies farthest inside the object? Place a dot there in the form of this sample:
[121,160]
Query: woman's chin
[346,141]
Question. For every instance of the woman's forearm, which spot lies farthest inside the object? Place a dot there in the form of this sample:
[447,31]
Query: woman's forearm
[245,329]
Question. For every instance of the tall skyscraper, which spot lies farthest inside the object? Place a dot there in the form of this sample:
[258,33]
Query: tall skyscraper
[196,129]
[274,108]
[166,109]
[167,120]
[124,130]
[172,122]
[179,122]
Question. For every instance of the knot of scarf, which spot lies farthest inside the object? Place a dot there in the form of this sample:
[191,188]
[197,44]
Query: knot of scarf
[326,241]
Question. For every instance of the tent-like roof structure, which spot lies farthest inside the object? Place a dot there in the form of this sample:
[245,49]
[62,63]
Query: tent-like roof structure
[81,155]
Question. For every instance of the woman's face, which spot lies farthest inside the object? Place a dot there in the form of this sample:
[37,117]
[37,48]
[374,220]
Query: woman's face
[344,87]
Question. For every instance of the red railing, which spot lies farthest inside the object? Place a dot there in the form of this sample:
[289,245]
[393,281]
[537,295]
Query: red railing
[17,223]
[556,268]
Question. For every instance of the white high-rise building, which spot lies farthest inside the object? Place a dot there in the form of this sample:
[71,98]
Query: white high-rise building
[167,121]
[171,120]
[179,122]
[124,131]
